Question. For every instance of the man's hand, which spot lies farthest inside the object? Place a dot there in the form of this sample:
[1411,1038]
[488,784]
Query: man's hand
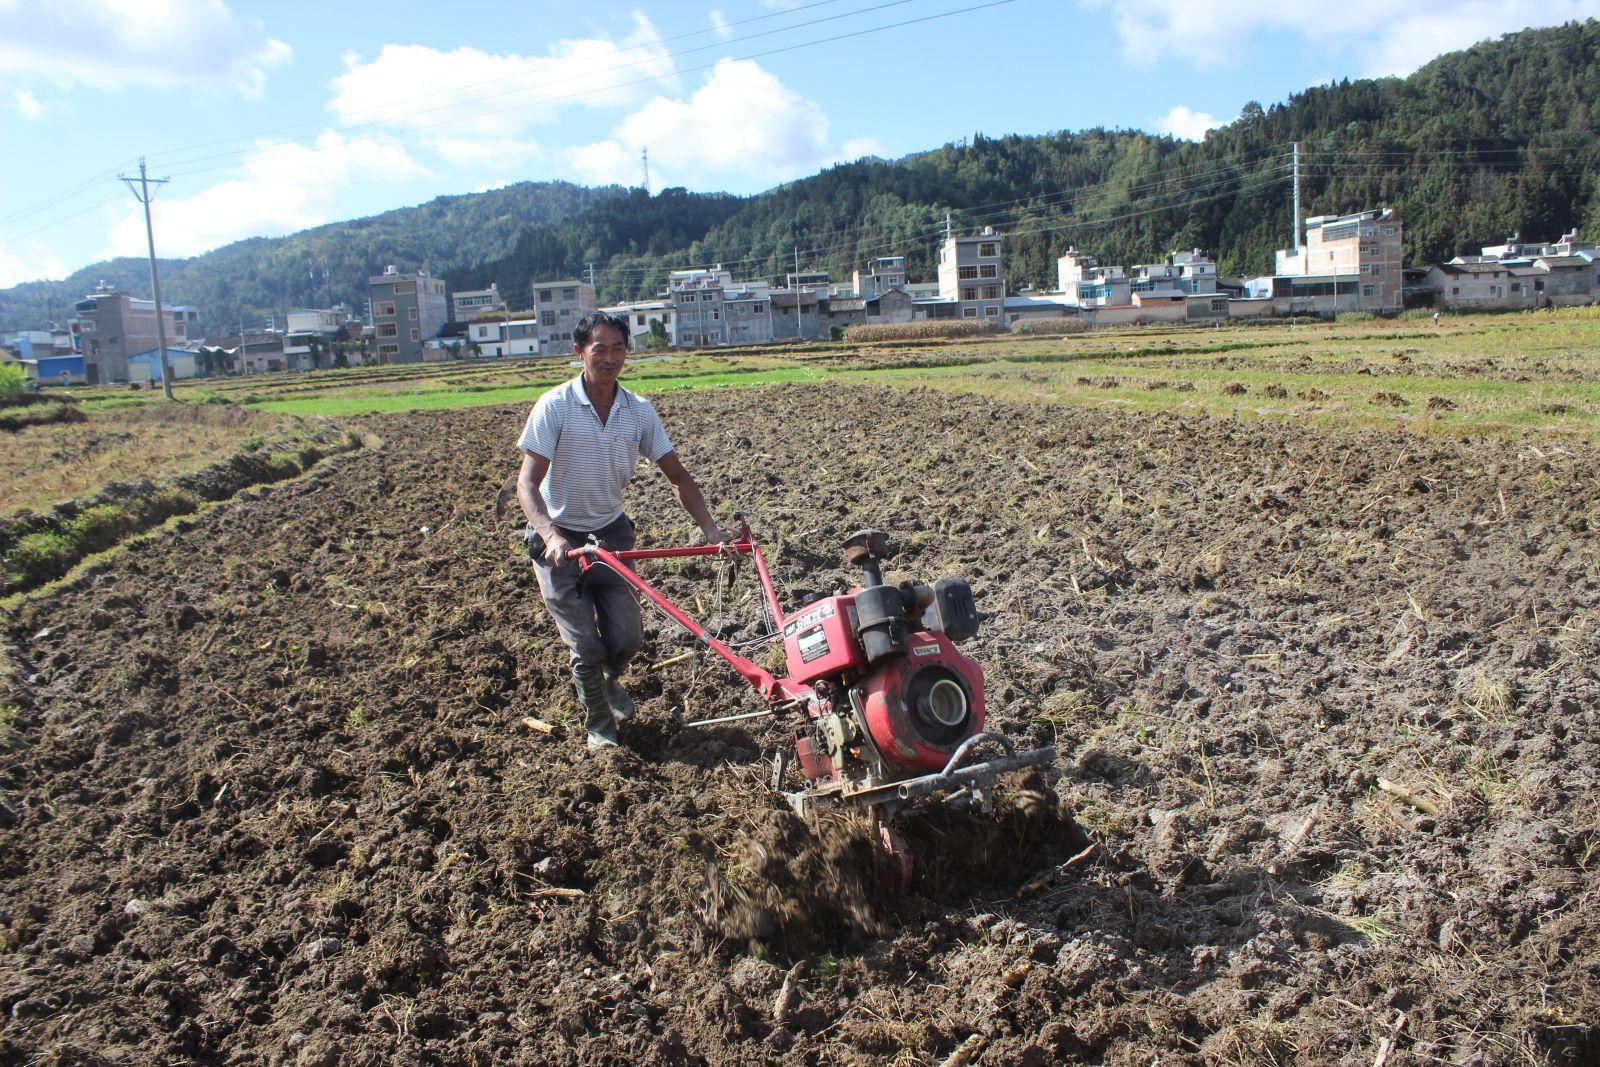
[555,551]
[718,536]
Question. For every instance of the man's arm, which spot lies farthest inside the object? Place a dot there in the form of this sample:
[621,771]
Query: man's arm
[534,469]
[687,490]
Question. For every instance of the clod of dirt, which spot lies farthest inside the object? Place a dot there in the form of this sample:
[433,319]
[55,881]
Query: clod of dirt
[1234,389]
[1393,400]
[1439,403]
[1313,394]
[1277,392]
[793,885]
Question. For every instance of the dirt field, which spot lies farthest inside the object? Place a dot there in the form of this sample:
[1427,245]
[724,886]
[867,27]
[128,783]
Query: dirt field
[267,797]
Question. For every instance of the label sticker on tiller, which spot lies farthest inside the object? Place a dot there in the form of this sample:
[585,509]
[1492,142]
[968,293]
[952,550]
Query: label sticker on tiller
[813,644]
[925,650]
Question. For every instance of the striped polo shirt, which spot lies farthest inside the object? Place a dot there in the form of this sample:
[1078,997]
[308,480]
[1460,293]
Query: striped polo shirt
[590,462]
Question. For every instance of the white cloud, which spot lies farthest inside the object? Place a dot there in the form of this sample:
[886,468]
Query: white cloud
[490,186]
[720,23]
[486,152]
[27,104]
[469,93]
[1377,36]
[109,44]
[742,121]
[28,262]
[1187,125]
[278,189]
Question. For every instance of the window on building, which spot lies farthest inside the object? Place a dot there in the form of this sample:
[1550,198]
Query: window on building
[969,313]
[388,350]
[1455,290]
[388,329]
[989,270]
[988,250]
[411,313]
[969,292]
[1369,290]
[569,294]
[757,309]
[991,311]
[1220,304]
[715,314]
[404,288]
[967,273]
[546,295]
[991,292]
[1516,287]
[416,335]
[638,320]
[383,311]
[1388,231]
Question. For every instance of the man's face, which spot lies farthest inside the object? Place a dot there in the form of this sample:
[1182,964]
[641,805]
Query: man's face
[604,355]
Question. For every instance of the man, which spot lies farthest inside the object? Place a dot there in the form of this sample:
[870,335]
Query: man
[580,446]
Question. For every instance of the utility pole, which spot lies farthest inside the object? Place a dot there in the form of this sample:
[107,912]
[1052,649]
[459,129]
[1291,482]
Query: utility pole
[947,225]
[1297,198]
[144,196]
[644,158]
[590,271]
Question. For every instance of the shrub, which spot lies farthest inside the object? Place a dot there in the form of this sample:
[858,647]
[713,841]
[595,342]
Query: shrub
[921,329]
[281,465]
[10,380]
[836,333]
[39,557]
[308,456]
[98,528]
[1050,326]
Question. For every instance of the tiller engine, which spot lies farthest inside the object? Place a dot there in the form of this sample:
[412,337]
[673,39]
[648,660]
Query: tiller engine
[890,710]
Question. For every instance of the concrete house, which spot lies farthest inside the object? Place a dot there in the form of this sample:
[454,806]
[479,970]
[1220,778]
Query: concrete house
[697,298]
[468,304]
[1517,275]
[881,275]
[794,314]
[1082,279]
[559,305]
[109,326]
[1347,263]
[407,310]
[640,315]
[972,272]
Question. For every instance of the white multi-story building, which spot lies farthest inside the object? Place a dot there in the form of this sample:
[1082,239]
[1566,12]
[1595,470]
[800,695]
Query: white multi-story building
[1083,279]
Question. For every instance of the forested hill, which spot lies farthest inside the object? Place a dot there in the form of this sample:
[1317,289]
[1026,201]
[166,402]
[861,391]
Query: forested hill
[1478,144]
[260,276]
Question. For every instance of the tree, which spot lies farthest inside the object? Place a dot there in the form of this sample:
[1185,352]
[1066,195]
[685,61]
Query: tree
[658,336]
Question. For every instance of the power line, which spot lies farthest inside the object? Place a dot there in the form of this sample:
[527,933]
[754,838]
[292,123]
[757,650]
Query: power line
[458,118]
[504,78]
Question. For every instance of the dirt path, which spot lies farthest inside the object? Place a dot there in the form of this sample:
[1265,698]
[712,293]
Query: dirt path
[267,797]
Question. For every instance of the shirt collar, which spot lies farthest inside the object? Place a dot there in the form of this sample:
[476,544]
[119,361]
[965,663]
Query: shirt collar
[583,394]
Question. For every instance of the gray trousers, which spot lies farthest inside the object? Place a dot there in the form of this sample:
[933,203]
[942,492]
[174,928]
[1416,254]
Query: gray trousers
[596,611]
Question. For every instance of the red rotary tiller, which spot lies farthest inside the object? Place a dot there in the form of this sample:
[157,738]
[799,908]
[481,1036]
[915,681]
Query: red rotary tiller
[890,710]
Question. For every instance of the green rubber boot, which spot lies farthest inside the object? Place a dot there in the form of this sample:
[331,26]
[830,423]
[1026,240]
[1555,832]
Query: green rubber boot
[598,719]
[617,698]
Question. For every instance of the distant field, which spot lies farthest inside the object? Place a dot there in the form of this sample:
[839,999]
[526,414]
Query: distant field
[1534,372]
[1537,371]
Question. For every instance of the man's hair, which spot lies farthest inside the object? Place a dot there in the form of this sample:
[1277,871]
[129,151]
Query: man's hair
[582,332]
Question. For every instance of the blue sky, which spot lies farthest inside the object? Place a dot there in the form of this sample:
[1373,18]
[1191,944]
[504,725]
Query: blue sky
[274,117]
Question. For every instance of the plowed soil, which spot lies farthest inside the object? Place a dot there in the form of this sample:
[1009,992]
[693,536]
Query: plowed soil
[268,798]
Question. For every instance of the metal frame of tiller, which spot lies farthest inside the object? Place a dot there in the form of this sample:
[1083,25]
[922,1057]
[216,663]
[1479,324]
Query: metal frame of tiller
[974,781]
